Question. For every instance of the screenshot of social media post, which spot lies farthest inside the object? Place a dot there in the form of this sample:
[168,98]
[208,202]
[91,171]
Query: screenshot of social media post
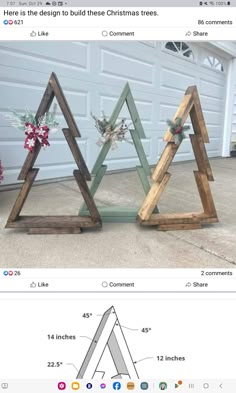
[117,150]
[117,196]
[124,331]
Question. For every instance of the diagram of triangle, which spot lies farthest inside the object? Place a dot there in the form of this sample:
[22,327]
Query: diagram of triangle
[108,336]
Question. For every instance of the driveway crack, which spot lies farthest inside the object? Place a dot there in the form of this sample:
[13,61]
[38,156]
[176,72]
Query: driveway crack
[207,250]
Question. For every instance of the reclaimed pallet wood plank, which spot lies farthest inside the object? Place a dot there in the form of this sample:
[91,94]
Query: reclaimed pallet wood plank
[119,219]
[136,134]
[54,231]
[183,112]
[96,180]
[164,161]
[201,155]
[101,157]
[116,210]
[144,179]
[53,89]
[44,107]
[206,219]
[145,183]
[197,118]
[205,193]
[62,101]
[29,161]
[54,222]
[177,218]
[141,153]
[119,105]
[88,198]
[178,227]
[189,105]
[116,214]
[22,196]
[172,218]
[75,150]
[153,197]
[134,115]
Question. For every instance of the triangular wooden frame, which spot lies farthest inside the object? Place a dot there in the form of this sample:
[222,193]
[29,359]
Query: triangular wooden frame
[117,213]
[108,334]
[190,105]
[55,224]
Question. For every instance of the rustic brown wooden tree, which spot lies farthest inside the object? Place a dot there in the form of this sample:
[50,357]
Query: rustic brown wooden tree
[190,105]
[55,224]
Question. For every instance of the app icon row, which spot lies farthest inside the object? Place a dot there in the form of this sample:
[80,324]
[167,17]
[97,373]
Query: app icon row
[114,385]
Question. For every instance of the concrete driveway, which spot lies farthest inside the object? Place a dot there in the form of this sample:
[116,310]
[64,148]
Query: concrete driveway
[127,245]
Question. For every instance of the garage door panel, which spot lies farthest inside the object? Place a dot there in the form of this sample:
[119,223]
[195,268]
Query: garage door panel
[125,155]
[73,54]
[212,117]
[184,151]
[11,133]
[128,150]
[214,131]
[211,89]
[136,63]
[173,61]
[209,103]
[39,68]
[211,74]
[145,109]
[213,148]
[168,112]
[21,97]
[116,65]
[133,49]
[14,154]
[174,80]
[48,172]
[169,104]
[147,104]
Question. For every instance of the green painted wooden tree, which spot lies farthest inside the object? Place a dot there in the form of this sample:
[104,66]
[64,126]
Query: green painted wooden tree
[117,213]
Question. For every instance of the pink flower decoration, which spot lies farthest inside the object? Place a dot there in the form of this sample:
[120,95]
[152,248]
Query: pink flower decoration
[35,133]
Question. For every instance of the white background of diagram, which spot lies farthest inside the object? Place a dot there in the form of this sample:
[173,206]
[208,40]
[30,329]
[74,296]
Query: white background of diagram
[197,329]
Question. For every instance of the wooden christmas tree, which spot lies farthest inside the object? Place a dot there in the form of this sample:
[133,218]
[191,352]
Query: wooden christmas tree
[55,224]
[117,213]
[190,105]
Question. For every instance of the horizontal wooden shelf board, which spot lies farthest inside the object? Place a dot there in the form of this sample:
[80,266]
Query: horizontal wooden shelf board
[53,222]
[177,218]
[179,227]
[54,231]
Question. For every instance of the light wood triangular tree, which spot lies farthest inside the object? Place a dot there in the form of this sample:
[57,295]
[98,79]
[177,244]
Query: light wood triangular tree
[190,105]
[55,224]
[118,213]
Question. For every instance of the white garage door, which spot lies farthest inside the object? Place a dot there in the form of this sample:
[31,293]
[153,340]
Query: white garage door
[92,76]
